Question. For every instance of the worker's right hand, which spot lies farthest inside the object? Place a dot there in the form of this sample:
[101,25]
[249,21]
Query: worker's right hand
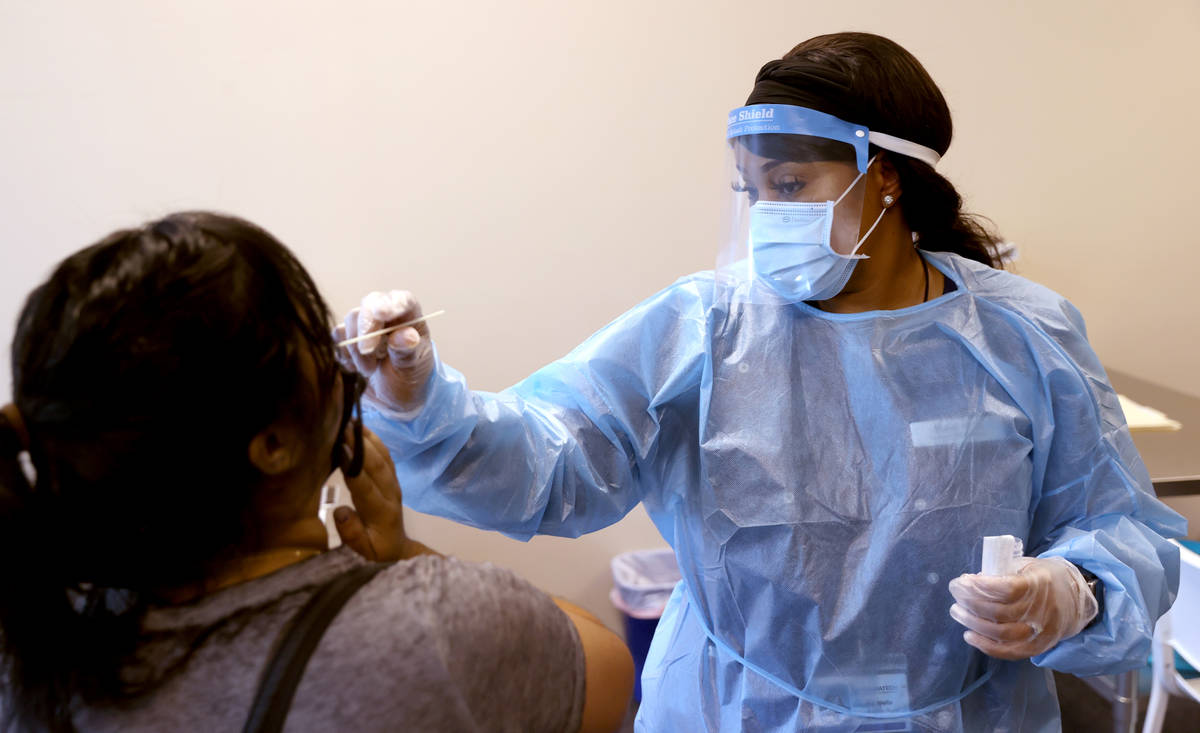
[396,365]
[1026,613]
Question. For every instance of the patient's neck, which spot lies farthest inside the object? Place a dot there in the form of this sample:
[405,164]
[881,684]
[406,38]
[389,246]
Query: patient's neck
[293,543]
[288,532]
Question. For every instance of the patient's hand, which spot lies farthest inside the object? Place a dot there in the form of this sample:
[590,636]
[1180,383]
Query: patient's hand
[374,528]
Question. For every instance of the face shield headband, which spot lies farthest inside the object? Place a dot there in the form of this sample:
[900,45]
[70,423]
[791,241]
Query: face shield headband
[758,119]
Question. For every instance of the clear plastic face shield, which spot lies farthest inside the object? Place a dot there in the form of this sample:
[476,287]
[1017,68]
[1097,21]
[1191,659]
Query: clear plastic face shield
[798,215]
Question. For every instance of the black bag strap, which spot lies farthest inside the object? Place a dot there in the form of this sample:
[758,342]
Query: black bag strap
[295,645]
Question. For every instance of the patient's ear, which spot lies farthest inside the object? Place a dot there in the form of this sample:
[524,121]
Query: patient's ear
[276,450]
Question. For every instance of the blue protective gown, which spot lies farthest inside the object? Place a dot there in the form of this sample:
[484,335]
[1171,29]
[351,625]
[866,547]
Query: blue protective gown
[822,477]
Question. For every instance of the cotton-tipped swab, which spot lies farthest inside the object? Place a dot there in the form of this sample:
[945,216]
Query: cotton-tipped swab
[390,329]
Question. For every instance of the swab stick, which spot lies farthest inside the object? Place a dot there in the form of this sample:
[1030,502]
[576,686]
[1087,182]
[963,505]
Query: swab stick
[390,329]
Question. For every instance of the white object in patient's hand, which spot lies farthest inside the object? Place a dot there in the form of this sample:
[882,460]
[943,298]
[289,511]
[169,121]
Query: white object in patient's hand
[999,553]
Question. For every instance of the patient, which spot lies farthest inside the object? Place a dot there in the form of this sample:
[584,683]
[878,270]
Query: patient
[177,392]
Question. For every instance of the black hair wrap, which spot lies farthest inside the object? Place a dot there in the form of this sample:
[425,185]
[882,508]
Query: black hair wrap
[822,87]
[826,87]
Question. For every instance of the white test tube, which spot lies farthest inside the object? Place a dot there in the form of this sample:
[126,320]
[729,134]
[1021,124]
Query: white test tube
[333,495]
[999,552]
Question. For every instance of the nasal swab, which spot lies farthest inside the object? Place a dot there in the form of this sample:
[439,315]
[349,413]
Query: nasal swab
[390,329]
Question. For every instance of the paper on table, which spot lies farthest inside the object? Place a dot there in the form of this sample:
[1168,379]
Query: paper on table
[1141,417]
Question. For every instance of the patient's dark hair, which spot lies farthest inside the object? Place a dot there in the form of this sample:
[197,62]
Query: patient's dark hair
[142,369]
[870,80]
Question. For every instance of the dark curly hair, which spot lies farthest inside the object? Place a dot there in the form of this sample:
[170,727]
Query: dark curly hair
[142,369]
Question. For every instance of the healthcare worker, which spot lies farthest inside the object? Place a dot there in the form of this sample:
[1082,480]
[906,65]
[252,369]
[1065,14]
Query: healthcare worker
[824,428]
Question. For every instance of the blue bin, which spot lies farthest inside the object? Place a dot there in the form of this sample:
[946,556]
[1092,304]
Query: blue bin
[642,584]
[638,633]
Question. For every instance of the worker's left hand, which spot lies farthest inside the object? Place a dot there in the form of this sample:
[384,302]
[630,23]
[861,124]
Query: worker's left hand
[1024,614]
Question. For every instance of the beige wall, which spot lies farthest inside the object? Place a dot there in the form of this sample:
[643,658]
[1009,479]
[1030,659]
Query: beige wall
[536,168]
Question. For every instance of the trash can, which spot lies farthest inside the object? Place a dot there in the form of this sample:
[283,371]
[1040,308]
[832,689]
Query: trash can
[642,583]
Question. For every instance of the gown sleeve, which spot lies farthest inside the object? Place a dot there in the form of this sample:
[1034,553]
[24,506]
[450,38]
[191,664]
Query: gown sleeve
[572,448]
[1095,506]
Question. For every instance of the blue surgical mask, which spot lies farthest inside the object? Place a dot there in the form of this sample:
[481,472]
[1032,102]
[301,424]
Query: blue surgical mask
[790,248]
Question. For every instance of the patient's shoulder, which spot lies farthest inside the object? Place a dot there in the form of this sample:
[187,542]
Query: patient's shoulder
[450,645]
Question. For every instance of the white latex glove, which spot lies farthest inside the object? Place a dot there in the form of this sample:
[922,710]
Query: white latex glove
[396,365]
[1024,614]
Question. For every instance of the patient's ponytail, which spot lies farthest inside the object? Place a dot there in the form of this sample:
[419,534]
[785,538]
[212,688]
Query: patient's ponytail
[50,648]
